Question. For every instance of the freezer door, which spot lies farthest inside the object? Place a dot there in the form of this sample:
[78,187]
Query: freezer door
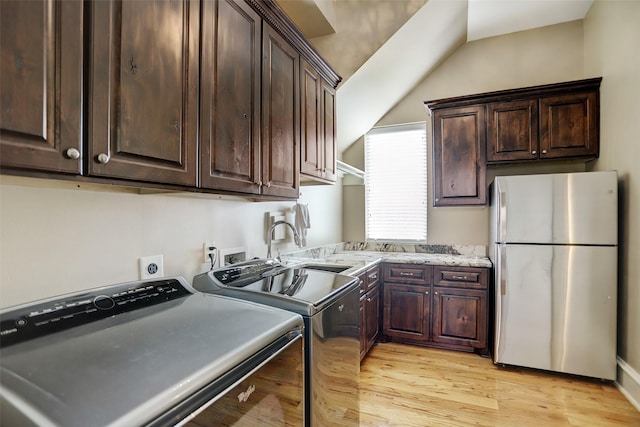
[570,208]
[556,308]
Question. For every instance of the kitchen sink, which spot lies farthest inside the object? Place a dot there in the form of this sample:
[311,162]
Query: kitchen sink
[333,268]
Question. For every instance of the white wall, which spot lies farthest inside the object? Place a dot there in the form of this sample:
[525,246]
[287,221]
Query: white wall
[546,55]
[58,236]
[612,43]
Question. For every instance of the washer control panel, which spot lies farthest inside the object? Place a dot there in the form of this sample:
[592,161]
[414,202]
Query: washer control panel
[42,318]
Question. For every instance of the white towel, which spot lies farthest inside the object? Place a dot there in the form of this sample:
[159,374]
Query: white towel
[302,222]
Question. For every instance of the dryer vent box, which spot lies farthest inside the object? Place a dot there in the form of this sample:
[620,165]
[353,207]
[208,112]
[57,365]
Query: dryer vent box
[232,256]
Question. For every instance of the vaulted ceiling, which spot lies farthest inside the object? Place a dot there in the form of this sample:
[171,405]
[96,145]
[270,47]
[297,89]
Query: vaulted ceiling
[384,48]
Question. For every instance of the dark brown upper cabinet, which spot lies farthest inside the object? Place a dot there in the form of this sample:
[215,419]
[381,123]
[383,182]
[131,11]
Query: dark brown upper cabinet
[230,97]
[557,121]
[318,145]
[512,130]
[167,94]
[41,85]
[570,125]
[459,140]
[280,124]
[143,90]
[547,127]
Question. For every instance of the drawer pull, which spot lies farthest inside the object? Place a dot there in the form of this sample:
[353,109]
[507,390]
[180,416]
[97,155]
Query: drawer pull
[373,276]
[459,277]
[426,293]
[404,273]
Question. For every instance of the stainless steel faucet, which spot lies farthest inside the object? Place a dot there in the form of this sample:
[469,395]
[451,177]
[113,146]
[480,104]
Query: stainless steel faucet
[296,237]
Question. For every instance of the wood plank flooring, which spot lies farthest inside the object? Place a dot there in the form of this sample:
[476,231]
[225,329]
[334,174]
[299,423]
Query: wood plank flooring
[404,385]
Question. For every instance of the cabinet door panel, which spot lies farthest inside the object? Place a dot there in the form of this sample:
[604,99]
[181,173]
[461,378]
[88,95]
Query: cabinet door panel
[512,131]
[460,317]
[372,316]
[280,116]
[569,126]
[406,311]
[459,144]
[328,119]
[230,97]
[311,138]
[143,94]
[41,81]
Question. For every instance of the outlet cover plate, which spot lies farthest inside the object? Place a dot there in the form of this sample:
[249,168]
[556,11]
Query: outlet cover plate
[151,267]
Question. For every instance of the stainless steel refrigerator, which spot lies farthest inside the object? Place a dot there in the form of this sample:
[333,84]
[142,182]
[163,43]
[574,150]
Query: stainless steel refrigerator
[554,247]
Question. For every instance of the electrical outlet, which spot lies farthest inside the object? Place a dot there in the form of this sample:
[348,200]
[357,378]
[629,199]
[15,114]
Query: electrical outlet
[209,248]
[151,267]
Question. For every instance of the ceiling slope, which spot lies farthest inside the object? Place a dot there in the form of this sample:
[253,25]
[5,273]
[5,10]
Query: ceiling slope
[488,18]
[429,37]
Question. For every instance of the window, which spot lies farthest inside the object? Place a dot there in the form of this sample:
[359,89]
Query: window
[396,183]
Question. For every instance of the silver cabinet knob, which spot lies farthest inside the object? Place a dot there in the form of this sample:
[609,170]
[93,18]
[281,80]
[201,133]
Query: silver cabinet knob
[534,152]
[426,293]
[73,153]
[103,158]
[544,151]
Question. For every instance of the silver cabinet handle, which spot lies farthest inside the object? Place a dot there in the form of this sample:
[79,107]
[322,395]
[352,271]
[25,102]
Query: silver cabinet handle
[544,151]
[73,153]
[435,293]
[402,273]
[368,299]
[426,293]
[534,152]
[459,277]
[103,158]
[341,307]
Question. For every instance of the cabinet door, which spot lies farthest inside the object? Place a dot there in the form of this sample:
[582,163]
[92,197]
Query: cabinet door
[143,90]
[230,97]
[459,144]
[280,116]
[460,317]
[569,126]
[406,312]
[372,310]
[512,131]
[311,151]
[41,81]
[328,122]
[363,328]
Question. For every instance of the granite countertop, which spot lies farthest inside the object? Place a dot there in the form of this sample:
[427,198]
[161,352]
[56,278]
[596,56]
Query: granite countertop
[360,260]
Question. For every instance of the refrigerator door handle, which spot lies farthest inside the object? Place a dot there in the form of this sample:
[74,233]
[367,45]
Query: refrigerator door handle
[502,217]
[500,281]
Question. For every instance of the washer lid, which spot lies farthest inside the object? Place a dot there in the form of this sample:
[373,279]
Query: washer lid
[300,289]
[129,368]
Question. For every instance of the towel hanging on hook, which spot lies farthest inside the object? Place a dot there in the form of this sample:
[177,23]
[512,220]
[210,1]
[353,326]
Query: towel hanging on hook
[302,221]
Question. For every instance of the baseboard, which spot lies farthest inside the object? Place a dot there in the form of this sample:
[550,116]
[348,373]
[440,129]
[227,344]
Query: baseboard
[629,383]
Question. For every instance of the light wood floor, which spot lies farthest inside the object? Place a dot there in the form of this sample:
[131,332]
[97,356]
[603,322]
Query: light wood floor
[403,385]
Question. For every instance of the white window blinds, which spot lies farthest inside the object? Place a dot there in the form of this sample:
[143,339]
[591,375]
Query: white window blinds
[396,183]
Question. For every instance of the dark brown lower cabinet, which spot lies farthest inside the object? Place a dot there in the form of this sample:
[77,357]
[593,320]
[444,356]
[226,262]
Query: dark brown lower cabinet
[369,309]
[459,317]
[406,314]
[437,306]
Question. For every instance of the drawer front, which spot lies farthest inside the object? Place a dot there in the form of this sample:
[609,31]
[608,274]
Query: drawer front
[373,278]
[461,277]
[363,283]
[408,273]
